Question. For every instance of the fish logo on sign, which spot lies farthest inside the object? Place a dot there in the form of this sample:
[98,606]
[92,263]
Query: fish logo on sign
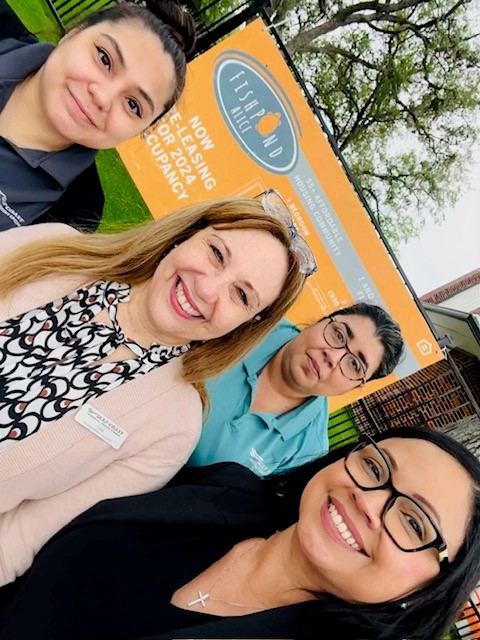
[257,111]
[267,125]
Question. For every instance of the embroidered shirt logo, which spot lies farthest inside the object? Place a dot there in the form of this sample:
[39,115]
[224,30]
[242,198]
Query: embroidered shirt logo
[258,463]
[8,212]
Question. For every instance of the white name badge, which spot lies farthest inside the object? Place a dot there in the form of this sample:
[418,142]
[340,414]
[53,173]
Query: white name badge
[101,426]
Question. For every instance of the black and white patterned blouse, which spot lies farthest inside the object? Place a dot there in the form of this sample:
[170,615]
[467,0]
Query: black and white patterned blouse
[48,355]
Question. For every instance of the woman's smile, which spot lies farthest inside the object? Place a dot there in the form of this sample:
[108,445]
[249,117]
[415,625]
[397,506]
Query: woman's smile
[79,111]
[339,522]
[214,281]
[96,88]
[182,302]
[341,529]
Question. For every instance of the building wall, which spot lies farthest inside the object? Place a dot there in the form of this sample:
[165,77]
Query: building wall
[432,397]
[467,433]
[454,287]
[468,300]
[457,328]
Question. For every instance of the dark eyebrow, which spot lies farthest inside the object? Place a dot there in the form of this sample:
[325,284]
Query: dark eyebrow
[351,336]
[121,59]
[429,505]
[146,97]
[391,459]
[116,46]
[247,284]
[417,496]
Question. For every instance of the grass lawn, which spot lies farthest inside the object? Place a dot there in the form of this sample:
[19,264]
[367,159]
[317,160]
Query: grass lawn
[124,206]
[341,428]
[37,17]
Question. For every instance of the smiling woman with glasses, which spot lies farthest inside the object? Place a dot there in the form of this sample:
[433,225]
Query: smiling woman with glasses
[352,546]
[410,525]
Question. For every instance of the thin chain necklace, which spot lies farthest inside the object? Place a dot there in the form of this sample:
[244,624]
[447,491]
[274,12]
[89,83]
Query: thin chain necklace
[202,597]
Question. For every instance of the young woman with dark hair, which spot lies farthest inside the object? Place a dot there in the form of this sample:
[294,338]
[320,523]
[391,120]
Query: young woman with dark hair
[106,81]
[381,541]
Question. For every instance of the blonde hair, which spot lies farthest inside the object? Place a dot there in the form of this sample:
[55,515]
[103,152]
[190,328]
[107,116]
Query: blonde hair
[133,255]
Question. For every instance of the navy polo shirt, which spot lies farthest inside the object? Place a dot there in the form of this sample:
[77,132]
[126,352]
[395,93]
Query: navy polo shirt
[31,180]
[264,442]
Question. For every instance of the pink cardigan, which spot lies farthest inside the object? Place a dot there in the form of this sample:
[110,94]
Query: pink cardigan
[54,475]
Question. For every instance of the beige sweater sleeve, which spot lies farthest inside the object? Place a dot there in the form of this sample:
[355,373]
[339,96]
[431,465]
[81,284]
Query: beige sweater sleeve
[27,527]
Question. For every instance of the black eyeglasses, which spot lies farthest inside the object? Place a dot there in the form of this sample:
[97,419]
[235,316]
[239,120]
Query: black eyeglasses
[335,335]
[406,522]
[274,204]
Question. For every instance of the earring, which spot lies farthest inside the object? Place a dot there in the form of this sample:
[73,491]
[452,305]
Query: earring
[165,253]
[258,317]
[404,605]
[147,131]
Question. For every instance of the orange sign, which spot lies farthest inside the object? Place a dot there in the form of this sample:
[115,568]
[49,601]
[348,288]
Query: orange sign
[244,126]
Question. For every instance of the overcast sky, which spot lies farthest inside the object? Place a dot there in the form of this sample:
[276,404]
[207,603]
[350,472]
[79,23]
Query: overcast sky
[452,249]
[445,252]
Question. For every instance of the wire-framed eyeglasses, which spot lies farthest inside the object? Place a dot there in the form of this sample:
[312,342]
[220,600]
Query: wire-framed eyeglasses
[335,335]
[404,519]
[273,203]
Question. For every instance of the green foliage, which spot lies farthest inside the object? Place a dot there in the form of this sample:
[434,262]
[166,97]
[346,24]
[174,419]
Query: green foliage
[211,14]
[398,86]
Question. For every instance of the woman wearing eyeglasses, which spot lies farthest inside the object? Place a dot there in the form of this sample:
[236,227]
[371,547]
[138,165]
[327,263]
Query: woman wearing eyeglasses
[379,542]
[105,344]
[270,411]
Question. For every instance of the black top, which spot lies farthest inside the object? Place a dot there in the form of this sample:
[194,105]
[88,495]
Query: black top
[111,573]
[40,186]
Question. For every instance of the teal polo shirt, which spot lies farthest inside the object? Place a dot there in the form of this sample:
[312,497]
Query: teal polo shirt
[266,443]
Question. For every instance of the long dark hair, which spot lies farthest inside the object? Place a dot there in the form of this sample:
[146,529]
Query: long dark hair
[168,20]
[426,614]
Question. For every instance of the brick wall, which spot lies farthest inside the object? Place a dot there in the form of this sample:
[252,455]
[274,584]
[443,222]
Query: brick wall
[432,397]
[470,368]
[452,288]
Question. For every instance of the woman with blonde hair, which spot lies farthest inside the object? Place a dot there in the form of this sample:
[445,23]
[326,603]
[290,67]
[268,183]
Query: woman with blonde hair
[95,401]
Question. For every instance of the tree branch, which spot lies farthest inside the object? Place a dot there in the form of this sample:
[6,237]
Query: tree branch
[332,50]
[356,125]
[350,15]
